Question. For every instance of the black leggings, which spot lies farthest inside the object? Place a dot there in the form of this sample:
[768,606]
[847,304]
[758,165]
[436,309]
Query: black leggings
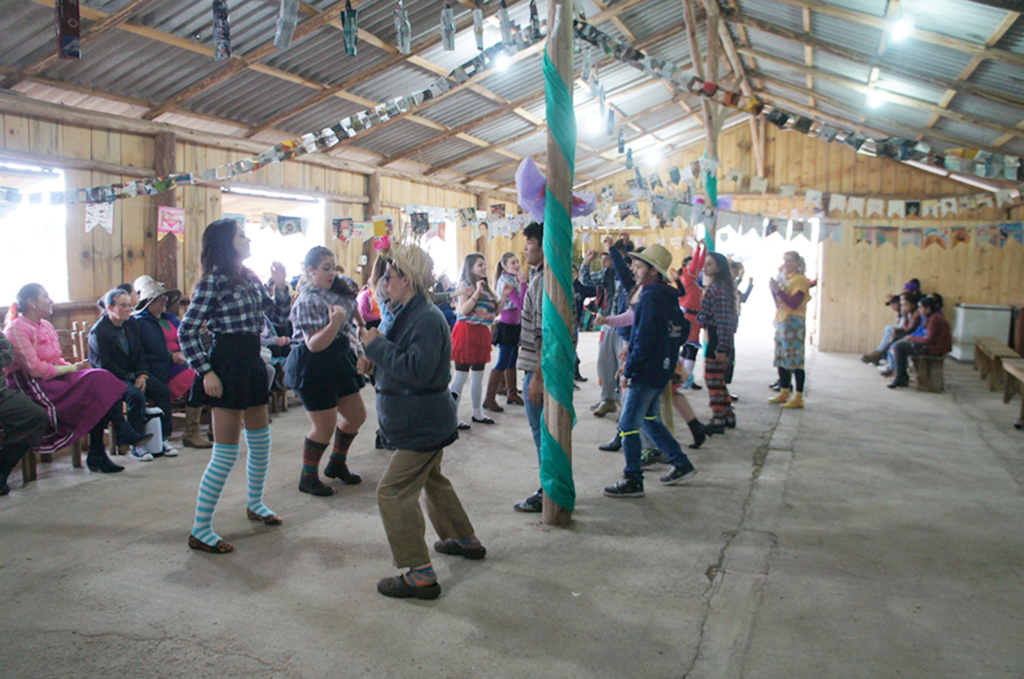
[785,382]
[465,367]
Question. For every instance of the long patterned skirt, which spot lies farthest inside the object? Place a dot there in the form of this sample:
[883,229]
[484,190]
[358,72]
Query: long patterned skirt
[789,343]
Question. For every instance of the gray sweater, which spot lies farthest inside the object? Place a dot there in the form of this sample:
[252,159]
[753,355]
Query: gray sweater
[413,367]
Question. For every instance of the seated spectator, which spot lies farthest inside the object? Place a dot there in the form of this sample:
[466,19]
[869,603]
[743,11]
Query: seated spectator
[23,422]
[909,322]
[158,329]
[115,344]
[936,340]
[889,335]
[78,399]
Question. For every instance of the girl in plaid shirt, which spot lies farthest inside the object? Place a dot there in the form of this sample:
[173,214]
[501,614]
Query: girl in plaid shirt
[718,316]
[231,379]
[322,369]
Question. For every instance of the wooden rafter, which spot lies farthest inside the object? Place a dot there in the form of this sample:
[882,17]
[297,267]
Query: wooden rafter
[88,35]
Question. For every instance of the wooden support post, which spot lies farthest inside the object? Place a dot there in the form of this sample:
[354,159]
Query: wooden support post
[373,207]
[166,269]
[483,203]
[756,141]
[698,66]
[711,70]
[557,418]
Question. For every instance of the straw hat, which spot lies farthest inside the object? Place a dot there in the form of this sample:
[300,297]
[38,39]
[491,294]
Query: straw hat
[657,256]
[414,262]
[149,289]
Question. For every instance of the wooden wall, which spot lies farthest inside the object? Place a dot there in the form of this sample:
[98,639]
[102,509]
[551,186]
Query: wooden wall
[855,279]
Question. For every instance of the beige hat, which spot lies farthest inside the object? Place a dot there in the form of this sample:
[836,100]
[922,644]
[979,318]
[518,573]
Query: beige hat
[414,262]
[148,290]
[657,256]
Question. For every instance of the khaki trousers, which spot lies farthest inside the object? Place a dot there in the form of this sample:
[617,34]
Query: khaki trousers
[398,495]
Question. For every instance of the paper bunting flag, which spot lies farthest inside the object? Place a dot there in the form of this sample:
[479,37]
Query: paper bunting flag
[170,220]
[798,227]
[876,206]
[934,236]
[727,220]
[986,236]
[776,226]
[929,208]
[759,185]
[420,222]
[750,223]
[855,205]
[787,191]
[342,228]
[830,230]
[709,165]
[984,200]
[837,203]
[101,215]
[382,225]
[1003,197]
[735,175]
[966,203]
[505,23]
[675,241]
[913,208]
[812,198]
[897,208]
[287,226]
[863,234]
[1014,230]
[958,235]
[887,235]
[948,206]
[910,238]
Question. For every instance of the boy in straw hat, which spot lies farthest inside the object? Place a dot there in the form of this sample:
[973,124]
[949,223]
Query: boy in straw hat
[658,331]
[416,413]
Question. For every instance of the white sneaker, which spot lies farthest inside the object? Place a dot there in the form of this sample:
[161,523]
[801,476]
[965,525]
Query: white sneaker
[169,450]
[141,454]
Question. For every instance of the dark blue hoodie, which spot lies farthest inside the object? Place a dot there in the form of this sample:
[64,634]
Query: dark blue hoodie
[659,329]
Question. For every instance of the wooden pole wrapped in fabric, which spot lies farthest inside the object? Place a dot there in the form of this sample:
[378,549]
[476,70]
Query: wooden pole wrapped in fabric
[167,248]
[373,206]
[557,360]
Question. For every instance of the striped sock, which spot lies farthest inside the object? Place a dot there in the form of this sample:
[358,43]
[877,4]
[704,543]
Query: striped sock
[421,576]
[210,489]
[257,464]
[472,542]
[312,451]
[336,467]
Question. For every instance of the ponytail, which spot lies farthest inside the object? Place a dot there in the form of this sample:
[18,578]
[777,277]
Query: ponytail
[27,292]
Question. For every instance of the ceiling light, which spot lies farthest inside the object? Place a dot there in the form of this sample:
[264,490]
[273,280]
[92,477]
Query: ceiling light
[653,155]
[876,98]
[902,29]
[595,123]
[501,61]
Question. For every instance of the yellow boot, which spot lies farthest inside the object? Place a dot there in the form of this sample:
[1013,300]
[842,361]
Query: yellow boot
[796,402]
[782,397]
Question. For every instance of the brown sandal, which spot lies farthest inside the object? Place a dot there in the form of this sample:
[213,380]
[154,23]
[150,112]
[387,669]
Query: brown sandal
[221,547]
[272,520]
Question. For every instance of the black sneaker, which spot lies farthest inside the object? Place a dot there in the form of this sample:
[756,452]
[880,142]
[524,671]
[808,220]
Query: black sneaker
[652,456]
[678,475]
[627,487]
[532,504]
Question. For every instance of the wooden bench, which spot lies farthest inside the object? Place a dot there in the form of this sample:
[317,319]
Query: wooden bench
[1013,383]
[929,372]
[988,357]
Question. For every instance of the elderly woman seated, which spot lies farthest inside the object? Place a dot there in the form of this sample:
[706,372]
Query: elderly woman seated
[115,344]
[158,329]
[933,338]
[78,399]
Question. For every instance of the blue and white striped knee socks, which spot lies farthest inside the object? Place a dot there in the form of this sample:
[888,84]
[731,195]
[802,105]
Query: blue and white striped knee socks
[256,466]
[210,489]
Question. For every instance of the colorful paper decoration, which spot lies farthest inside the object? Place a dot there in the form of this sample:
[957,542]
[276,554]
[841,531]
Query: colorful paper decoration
[787,191]
[100,214]
[876,206]
[447,28]
[69,30]
[478,27]
[1014,230]
[759,184]
[170,220]
[887,235]
[812,198]
[403,30]
[342,227]
[287,226]
[837,202]
[948,206]
[855,205]
[910,238]
[897,208]
[935,236]
[287,18]
[221,31]
[350,28]
[382,225]
[958,235]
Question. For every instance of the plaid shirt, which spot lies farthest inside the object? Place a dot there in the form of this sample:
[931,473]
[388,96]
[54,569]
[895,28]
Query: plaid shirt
[718,309]
[228,310]
[311,311]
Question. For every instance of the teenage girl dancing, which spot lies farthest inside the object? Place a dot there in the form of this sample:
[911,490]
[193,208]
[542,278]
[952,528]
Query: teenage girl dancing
[322,369]
[510,283]
[231,379]
[471,336]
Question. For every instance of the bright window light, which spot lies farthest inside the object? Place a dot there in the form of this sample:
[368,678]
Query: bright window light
[653,155]
[902,29]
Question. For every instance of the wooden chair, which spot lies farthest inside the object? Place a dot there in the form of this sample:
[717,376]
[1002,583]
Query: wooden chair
[1013,383]
[989,355]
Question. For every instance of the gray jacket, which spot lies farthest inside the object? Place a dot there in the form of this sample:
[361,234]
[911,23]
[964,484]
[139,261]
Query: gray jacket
[413,367]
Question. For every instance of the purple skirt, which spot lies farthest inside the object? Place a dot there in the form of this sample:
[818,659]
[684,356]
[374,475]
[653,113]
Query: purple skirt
[75,403]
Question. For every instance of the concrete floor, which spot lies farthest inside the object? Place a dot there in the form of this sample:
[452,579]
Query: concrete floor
[874,534]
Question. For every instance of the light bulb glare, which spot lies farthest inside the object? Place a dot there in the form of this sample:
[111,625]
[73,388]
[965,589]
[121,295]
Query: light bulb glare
[902,29]
[876,98]
[501,62]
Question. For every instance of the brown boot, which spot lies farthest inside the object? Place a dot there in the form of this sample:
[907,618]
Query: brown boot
[492,389]
[873,358]
[192,437]
[513,398]
[502,391]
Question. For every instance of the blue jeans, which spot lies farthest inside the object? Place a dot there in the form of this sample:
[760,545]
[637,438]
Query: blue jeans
[507,355]
[892,334]
[533,412]
[641,410]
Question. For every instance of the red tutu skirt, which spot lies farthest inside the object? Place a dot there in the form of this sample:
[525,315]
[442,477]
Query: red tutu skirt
[471,343]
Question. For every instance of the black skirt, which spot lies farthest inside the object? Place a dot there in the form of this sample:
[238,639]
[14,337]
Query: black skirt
[506,333]
[236,361]
[321,378]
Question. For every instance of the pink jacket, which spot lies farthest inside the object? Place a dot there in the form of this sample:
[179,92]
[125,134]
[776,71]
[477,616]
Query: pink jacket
[36,348]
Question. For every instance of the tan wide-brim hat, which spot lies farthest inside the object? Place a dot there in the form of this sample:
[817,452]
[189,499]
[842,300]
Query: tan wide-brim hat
[657,256]
[148,290]
[413,261]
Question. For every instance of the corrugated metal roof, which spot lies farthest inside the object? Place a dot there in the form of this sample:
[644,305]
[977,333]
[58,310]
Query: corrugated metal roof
[641,100]
[840,66]
[250,97]
[482,163]
[923,57]
[776,46]
[324,114]
[672,131]
[999,76]
[858,37]
[400,79]
[977,107]
[505,127]
[135,66]
[34,37]
[377,17]
[459,109]
[666,116]
[971,134]
[651,18]
[778,13]
[395,138]
[911,88]
[875,7]
[1014,38]
[444,151]
[529,146]
[518,80]
[1015,147]
[971,21]
[321,58]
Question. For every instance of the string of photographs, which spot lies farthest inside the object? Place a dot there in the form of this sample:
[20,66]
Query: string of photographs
[980,163]
[945,237]
[312,142]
